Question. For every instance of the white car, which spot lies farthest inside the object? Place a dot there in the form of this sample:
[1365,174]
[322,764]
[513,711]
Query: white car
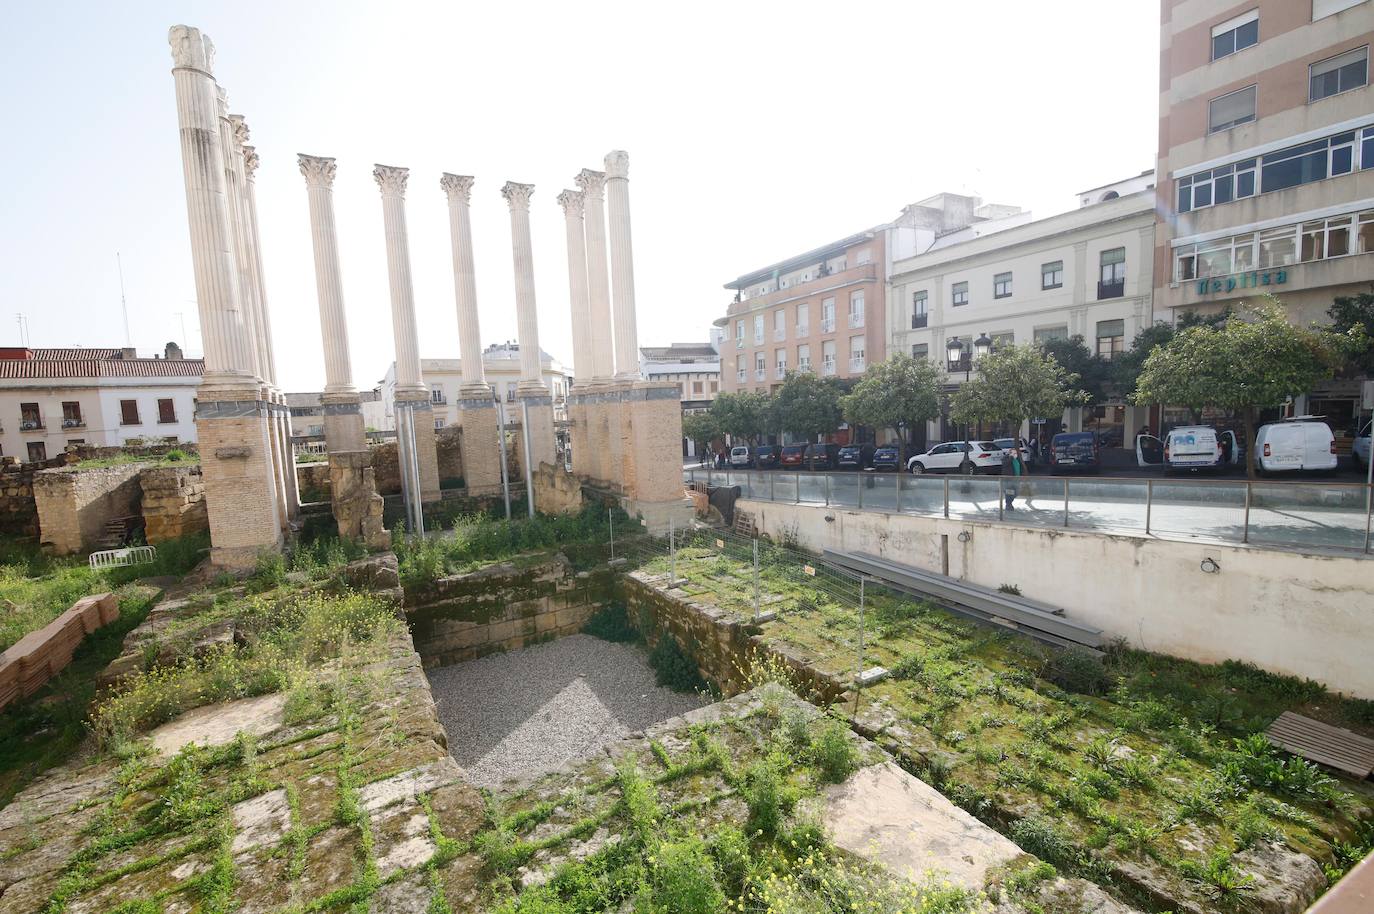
[967,457]
[1300,443]
[1360,449]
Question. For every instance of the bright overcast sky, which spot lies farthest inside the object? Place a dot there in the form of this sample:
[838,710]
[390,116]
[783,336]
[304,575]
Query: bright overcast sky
[756,130]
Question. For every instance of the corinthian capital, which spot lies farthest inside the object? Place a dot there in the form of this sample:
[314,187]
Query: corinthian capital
[240,128]
[191,49]
[391,179]
[318,170]
[250,161]
[571,201]
[518,195]
[458,187]
[593,183]
[617,164]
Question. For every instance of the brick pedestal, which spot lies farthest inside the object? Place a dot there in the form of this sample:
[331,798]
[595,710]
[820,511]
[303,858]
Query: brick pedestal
[651,434]
[536,407]
[240,486]
[424,445]
[577,434]
[481,420]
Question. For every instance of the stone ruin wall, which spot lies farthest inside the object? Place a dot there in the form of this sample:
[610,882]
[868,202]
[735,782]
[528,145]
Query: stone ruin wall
[173,502]
[448,443]
[75,505]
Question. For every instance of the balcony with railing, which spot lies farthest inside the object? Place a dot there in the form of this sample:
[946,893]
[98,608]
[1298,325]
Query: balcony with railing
[803,330]
[919,320]
[856,321]
[780,372]
[867,272]
[437,397]
[30,423]
[827,325]
[760,374]
[758,338]
[1114,288]
[779,334]
[804,365]
[856,364]
[77,422]
[828,367]
[742,375]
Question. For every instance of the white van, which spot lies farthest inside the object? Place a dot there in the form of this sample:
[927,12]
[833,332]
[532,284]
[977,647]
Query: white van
[1189,447]
[1299,443]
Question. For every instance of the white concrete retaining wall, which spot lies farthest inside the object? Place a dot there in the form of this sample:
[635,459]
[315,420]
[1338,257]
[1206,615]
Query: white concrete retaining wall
[1305,615]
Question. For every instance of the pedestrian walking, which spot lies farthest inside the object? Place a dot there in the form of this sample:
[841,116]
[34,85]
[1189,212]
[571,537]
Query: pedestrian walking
[1013,466]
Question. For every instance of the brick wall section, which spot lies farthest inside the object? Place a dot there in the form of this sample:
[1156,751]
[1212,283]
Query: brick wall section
[448,446]
[173,502]
[240,490]
[75,505]
[28,664]
[503,607]
[556,491]
[481,462]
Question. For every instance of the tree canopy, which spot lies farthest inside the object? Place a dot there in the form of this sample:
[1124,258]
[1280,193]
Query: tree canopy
[1073,355]
[899,393]
[1349,312]
[807,406]
[700,427]
[1255,359]
[746,414]
[1013,383]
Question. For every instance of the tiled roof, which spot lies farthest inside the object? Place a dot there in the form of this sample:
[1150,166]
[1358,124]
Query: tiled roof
[68,355]
[97,367]
[679,350]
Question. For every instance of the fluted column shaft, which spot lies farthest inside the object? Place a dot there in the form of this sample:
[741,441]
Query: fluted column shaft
[392,182]
[622,265]
[458,188]
[522,251]
[598,281]
[268,355]
[207,208]
[571,201]
[233,182]
[319,182]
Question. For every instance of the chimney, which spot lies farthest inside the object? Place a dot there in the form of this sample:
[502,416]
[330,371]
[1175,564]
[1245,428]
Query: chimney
[172,352]
[128,352]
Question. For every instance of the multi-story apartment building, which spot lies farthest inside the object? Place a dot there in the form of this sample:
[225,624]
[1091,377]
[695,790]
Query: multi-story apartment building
[1084,273]
[694,367]
[826,310]
[501,365]
[1266,160]
[51,398]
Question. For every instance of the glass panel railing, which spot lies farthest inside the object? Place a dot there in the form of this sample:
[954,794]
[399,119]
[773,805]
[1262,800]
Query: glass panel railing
[1307,514]
[844,489]
[811,488]
[784,486]
[1109,504]
[1209,510]
[1035,501]
[922,495]
[974,497]
[878,491]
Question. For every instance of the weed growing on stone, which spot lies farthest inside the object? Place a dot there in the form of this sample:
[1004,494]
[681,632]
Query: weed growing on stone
[675,667]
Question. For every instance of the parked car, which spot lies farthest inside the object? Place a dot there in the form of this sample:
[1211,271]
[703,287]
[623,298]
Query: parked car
[1299,443]
[967,457]
[1006,444]
[1075,452]
[766,456]
[855,457]
[887,457]
[791,457]
[1189,448]
[740,457]
[1360,449]
[821,456]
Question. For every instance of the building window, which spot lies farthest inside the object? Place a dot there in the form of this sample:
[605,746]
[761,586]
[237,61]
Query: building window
[739,333]
[438,423]
[1219,185]
[1111,338]
[715,387]
[827,315]
[758,329]
[741,372]
[863,257]
[779,325]
[1338,74]
[29,417]
[1001,285]
[1276,248]
[1052,275]
[856,310]
[804,357]
[856,354]
[1112,283]
[1044,335]
[960,294]
[1323,8]
[71,414]
[1231,110]
[1235,34]
[166,410]
[698,387]
[803,319]
[828,357]
[38,451]
[920,351]
[1002,340]
[436,393]
[920,309]
[128,412]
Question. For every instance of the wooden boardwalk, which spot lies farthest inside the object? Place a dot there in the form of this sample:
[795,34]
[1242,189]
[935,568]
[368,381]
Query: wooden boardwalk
[1322,743]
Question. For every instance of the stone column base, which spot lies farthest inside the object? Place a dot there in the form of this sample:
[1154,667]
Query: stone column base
[343,423]
[537,407]
[357,506]
[424,445]
[236,456]
[481,422]
[651,430]
[658,516]
[577,434]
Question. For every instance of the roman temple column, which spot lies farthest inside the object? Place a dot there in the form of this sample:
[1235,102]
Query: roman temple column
[232,420]
[598,399]
[342,407]
[536,403]
[477,412]
[571,201]
[414,416]
[622,265]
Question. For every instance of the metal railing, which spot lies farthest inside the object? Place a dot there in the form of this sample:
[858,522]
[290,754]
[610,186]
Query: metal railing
[760,373]
[828,367]
[779,334]
[1335,516]
[827,324]
[803,330]
[856,366]
[780,372]
[856,321]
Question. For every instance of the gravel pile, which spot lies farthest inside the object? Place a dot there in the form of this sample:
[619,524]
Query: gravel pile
[519,715]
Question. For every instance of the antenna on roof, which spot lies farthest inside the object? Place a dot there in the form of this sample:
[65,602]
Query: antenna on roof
[23,329]
[123,302]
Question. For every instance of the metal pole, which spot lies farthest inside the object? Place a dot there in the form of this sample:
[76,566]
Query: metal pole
[771,486]
[858,675]
[897,480]
[501,441]
[826,477]
[672,554]
[610,524]
[946,497]
[1149,503]
[756,578]
[529,458]
[1245,531]
[415,476]
[402,464]
[1368,485]
[1066,501]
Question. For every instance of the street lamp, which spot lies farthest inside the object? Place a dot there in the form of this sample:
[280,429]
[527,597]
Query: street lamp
[954,351]
[982,346]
